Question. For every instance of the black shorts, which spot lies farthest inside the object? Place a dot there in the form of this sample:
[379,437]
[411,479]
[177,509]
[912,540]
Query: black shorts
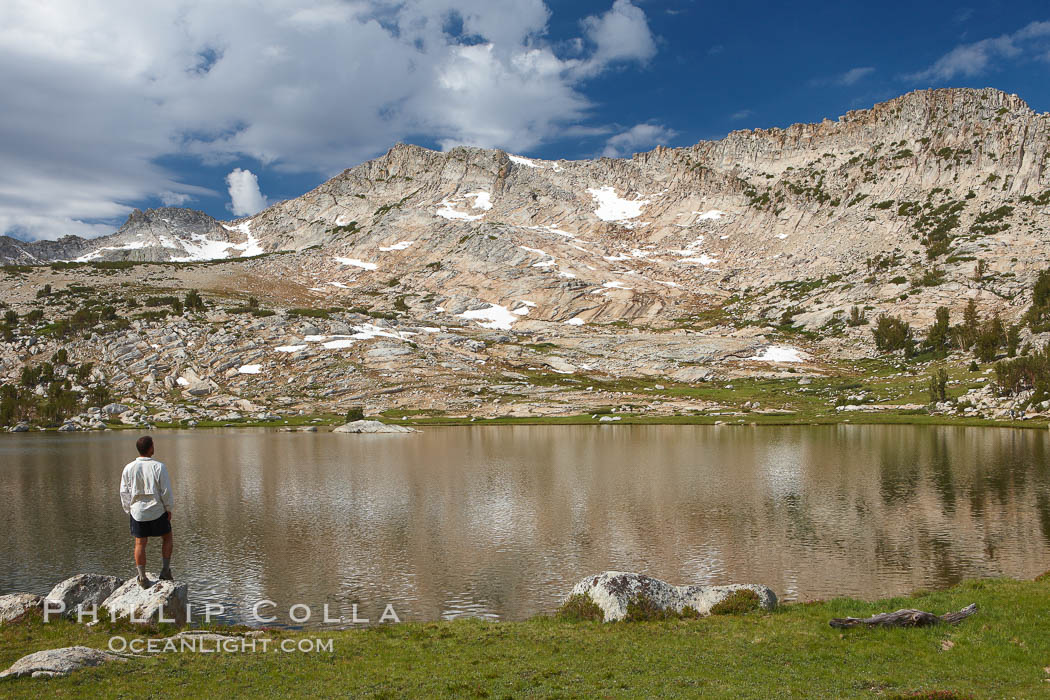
[151,528]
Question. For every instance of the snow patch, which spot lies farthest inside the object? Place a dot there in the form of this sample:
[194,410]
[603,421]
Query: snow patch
[703,259]
[401,245]
[251,245]
[290,348]
[614,208]
[494,317]
[574,322]
[521,160]
[250,369]
[447,212]
[482,200]
[778,353]
[525,308]
[712,215]
[543,263]
[357,263]
[552,229]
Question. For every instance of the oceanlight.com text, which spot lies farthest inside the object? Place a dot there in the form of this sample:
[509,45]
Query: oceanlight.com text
[194,644]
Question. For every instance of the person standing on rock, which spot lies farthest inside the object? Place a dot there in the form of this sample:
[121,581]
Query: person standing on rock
[145,493]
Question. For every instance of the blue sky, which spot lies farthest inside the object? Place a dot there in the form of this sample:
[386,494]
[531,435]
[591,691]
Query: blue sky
[231,106]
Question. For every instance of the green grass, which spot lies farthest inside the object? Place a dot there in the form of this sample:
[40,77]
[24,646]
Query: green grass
[1000,652]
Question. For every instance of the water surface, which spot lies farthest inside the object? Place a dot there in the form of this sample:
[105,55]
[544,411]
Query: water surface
[501,521]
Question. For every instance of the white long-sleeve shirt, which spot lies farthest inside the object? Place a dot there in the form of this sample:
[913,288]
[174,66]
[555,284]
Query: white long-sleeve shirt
[145,489]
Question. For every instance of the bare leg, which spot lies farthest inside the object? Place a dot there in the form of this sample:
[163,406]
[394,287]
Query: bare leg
[167,542]
[140,551]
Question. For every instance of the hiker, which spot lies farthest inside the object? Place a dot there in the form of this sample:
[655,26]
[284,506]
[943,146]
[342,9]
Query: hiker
[145,493]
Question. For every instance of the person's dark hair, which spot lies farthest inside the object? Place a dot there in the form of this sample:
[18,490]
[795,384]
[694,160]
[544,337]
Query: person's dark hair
[143,444]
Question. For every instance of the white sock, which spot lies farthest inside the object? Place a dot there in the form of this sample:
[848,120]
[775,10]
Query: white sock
[142,570]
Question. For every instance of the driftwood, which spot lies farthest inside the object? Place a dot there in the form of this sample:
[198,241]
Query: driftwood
[905,618]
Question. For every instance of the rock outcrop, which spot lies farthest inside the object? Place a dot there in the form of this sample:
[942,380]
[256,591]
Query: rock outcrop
[612,591]
[87,590]
[483,284]
[52,663]
[16,605]
[372,426]
[163,601]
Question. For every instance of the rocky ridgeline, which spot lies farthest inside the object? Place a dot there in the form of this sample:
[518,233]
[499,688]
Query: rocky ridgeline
[448,280]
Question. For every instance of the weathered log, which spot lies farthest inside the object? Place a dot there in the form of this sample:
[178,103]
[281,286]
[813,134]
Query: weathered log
[905,618]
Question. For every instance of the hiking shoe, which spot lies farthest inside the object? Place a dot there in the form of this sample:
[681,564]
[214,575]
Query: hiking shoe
[143,582]
[165,575]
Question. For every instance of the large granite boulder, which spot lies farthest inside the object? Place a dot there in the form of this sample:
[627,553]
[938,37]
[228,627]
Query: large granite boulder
[613,590]
[87,590]
[18,604]
[58,662]
[146,605]
[372,426]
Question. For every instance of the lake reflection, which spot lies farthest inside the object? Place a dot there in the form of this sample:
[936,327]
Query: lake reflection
[501,521]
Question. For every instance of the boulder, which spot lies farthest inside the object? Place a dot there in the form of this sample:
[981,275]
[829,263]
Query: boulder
[20,428]
[372,426]
[691,374]
[145,605]
[613,590]
[84,589]
[115,409]
[17,604]
[67,428]
[58,662]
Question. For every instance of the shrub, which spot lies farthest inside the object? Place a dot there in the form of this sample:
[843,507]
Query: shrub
[992,336]
[15,404]
[355,413]
[856,317]
[310,313]
[939,336]
[938,385]
[99,395]
[580,608]
[1026,372]
[1038,314]
[194,301]
[738,602]
[893,334]
[642,608]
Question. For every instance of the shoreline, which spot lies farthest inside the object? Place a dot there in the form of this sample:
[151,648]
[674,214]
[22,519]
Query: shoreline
[1000,652]
[728,420]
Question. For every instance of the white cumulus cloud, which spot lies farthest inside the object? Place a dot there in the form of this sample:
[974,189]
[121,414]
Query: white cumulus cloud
[977,57]
[245,197]
[638,138]
[103,92]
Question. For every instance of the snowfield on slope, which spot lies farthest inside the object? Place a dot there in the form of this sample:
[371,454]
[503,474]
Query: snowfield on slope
[354,262]
[778,353]
[614,208]
[494,317]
